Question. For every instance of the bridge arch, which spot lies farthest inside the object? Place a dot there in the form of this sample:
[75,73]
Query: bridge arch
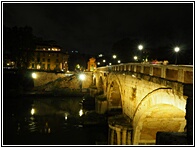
[160,110]
[114,92]
[100,84]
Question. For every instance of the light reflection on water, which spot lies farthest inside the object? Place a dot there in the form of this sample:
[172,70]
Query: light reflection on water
[48,121]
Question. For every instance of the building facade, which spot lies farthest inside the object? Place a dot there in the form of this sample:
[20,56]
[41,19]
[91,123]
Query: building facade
[92,64]
[49,58]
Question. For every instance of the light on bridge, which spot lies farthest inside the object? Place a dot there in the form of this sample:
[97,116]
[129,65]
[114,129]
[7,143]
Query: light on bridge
[135,58]
[140,47]
[176,49]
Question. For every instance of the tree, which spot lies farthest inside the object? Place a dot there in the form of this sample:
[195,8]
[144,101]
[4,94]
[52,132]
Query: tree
[20,43]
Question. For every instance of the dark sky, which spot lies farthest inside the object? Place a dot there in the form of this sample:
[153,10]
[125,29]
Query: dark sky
[94,28]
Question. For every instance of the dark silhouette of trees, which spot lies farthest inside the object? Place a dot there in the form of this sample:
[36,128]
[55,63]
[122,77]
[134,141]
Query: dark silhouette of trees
[19,42]
[127,48]
[77,61]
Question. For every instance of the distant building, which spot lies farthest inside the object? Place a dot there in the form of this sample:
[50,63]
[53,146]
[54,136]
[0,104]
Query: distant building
[49,57]
[92,64]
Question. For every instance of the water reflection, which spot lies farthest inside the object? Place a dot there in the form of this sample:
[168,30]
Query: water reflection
[66,115]
[44,121]
[32,111]
[81,112]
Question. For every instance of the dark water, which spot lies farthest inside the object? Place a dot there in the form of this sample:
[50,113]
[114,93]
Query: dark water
[48,121]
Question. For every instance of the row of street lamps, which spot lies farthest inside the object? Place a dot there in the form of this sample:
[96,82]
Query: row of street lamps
[136,58]
[176,49]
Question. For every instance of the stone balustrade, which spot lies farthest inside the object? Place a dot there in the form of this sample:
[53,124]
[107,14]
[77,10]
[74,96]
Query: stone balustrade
[180,73]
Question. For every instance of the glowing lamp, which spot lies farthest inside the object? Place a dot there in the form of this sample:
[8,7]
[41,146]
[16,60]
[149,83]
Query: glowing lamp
[34,75]
[82,77]
[176,49]
[140,47]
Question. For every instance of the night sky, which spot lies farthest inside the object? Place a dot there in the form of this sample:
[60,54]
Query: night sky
[94,27]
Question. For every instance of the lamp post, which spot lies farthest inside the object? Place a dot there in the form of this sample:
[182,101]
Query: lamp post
[140,47]
[135,58]
[82,78]
[176,49]
[114,57]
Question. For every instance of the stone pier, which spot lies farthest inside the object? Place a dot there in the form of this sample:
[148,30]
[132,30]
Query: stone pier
[120,130]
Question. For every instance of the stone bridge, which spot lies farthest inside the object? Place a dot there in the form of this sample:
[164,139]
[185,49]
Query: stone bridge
[153,98]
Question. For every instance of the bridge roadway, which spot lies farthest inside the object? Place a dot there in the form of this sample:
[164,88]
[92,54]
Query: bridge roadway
[152,98]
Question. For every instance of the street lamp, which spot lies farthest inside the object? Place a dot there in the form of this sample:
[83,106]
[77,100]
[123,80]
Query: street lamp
[140,47]
[34,75]
[135,58]
[114,57]
[176,49]
[82,78]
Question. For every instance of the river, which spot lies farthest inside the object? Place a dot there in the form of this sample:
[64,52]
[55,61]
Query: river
[49,121]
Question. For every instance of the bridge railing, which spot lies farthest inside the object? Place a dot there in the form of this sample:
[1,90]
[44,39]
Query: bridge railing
[180,73]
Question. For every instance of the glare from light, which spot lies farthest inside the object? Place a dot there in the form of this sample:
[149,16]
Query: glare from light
[104,61]
[110,63]
[176,49]
[82,77]
[119,61]
[32,111]
[114,56]
[81,112]
[34,75]
[140,47]
[98,63]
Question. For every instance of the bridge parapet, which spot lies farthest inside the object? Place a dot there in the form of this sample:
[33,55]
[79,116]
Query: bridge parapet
[180,73]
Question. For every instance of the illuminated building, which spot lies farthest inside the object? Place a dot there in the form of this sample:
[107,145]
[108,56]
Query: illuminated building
[49,58]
